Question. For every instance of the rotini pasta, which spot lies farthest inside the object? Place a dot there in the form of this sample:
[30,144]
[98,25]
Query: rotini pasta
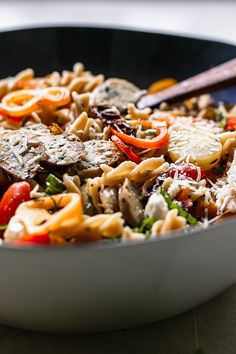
[99,226]
[91,166]
[135,113]
[170,223]
[81,126]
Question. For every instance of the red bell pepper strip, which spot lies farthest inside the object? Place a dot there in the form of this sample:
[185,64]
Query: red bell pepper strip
[125,149]
[42,239]
[159,141]
[16,194]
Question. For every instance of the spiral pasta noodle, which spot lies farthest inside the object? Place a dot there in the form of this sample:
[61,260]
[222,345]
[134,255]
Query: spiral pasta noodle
[170,223]
[138,173]
[100,226]
[81,126]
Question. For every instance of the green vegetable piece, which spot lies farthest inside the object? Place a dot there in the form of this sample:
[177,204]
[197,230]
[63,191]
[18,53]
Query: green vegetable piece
[54,185]
[147,224]
[150,132]
[172,205]
[221,119]
[145,227]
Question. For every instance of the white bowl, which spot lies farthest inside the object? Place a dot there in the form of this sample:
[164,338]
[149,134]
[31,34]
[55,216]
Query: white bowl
[100,287]
[105,287]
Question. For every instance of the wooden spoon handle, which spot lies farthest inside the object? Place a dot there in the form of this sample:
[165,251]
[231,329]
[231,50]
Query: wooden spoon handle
[217,78]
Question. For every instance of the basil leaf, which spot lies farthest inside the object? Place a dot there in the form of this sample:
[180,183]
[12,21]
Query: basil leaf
[221,119]
[145,227]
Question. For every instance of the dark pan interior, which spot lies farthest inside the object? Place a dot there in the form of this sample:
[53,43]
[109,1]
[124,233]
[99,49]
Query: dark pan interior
[138,56]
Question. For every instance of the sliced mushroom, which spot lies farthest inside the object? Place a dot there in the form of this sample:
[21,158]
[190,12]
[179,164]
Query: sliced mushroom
[109,200]
[130,204]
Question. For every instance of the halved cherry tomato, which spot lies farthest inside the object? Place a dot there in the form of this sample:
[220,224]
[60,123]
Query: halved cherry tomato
[42,239]
[231,124]
[187,169]
[125,149]
[16,194]
[159,141]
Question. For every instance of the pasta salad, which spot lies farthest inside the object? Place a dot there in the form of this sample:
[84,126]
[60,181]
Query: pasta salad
[79,162]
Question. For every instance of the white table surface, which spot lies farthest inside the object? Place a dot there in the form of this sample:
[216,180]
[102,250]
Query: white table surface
[212,325]
[215,19]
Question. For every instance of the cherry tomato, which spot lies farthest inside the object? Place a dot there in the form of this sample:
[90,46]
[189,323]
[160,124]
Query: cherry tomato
[187,169]
[16,194]
[231,124]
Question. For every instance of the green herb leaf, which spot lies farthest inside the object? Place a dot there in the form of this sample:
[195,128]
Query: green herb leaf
[145,227]
[54,185]
[150,132]
[172,205]
[221,119]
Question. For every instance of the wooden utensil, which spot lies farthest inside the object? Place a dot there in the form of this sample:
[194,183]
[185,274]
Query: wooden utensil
[217,78]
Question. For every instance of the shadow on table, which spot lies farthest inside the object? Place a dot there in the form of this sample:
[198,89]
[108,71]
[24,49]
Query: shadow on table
[212,325]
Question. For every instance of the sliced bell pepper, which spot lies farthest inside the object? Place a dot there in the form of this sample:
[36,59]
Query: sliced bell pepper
[125,149]
[159,141]
[40,239]
[161,85]
[23,102]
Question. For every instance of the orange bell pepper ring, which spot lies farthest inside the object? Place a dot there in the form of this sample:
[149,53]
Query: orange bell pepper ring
[23,102]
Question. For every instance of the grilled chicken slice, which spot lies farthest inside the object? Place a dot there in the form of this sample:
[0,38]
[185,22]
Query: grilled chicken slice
[32,149]
[97,152]
[61,149]
[23,152]
[116,92]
